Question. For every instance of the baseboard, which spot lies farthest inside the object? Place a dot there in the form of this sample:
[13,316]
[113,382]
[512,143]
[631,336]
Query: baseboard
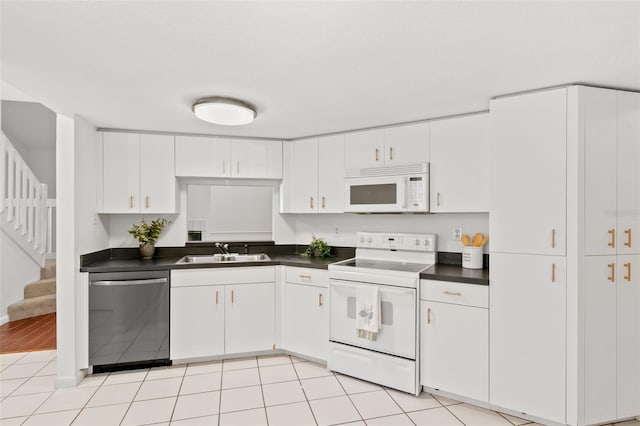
[70,381]
[4,319]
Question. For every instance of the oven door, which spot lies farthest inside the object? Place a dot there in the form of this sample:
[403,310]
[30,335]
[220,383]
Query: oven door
[397,335]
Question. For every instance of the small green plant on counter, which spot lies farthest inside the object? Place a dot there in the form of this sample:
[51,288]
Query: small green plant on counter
[318,247]
[148,233]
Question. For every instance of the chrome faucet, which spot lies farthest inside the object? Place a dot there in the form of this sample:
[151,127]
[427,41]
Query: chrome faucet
[223,247]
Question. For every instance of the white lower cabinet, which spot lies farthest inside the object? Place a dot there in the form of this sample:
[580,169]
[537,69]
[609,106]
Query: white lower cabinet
[454,339]
[306,316]
[197,322]
[249,317]
[217,311]
[612,339]
[528,346]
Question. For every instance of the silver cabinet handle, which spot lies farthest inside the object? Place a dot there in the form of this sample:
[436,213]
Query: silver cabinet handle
[130,282]
[320,299]
[428,315]
[305,277]
[452,293]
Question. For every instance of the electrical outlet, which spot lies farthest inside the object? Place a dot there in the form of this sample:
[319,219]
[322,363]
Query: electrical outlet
[457,233]
[337,231]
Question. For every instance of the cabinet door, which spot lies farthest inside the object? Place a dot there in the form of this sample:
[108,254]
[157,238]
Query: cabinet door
[628,196]
[528,334]
[599,170]
[364,149]
[301,176]
[600,339]
[459,165]
[528,173]
[628,360]
[331,174]
[250,317]
[202,157]
[454,355]
[306,327]
[256,159]
[121,168]
[197,322]
[407,144]
[157,176]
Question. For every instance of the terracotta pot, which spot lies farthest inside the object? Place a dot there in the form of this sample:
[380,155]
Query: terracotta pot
[146,250]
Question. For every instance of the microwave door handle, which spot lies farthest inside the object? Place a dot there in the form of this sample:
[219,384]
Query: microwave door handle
[403,193]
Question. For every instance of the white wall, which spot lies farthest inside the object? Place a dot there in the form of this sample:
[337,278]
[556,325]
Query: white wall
[325,225]
[17,269]
[81,232]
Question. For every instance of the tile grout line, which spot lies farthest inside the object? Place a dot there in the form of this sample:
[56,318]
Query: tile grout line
[132,399]
[264,404]
[348,396]
[303,392]
[175,404]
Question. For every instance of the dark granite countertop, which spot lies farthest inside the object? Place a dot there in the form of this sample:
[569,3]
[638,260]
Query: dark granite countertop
[456,273]
[128,259]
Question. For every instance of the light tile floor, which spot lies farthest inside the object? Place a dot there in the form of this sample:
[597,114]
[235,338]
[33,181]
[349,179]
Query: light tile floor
[272,390]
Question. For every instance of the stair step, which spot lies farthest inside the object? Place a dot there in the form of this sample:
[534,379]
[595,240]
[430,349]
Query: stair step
[40,288]
[32,307]
[49,270]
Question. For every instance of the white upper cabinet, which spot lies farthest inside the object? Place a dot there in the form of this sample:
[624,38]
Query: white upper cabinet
[628,183]
[225,157]
[364,149]
[612,180]
[459,164]
[121,168]
[202,156]
[256,159]
[138,173]
[331,174]
[407,144]
[300,185]
[314,175]
[529,173]
[157,177]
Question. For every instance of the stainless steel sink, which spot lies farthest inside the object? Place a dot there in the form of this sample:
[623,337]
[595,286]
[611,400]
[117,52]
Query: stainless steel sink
[224,258]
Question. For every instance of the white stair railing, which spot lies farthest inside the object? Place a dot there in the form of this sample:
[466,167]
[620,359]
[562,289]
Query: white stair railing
[23,210]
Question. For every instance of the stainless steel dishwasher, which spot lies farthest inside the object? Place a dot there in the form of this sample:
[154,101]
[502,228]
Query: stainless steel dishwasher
[128,320]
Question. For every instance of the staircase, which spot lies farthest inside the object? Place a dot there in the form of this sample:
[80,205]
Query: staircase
[39,296]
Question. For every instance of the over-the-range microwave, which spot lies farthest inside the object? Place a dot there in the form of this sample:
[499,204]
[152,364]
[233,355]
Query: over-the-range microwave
[392,189]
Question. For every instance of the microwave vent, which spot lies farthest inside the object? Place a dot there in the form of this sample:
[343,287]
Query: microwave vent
[407,169]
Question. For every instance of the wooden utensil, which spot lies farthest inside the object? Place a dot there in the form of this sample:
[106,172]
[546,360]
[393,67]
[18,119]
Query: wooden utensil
[477,239]
[465,240]
[485,240]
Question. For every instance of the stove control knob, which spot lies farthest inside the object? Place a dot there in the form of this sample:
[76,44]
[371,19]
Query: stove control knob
[362,239]
[417,242]
[369,240]
[427,243]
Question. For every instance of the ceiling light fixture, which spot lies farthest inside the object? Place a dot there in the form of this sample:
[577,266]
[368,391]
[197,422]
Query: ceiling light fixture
[224,111]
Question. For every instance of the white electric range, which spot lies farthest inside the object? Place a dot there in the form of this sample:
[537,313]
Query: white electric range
[392,263]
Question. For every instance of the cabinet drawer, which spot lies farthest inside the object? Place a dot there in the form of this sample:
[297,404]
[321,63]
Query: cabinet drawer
[458,293]
[217,276]
[309,276]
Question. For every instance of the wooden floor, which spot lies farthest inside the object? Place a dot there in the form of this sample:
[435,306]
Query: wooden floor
[29,334]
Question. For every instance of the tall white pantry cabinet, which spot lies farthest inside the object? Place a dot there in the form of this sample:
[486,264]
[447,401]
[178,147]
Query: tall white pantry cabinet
[565,255]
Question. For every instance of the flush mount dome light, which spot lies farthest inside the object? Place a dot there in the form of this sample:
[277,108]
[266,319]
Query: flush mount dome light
[224,111]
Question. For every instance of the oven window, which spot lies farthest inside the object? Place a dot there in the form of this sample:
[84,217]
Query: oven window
[383,194]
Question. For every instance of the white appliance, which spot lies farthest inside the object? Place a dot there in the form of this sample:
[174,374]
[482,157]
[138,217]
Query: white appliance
[392,263]
[393,189]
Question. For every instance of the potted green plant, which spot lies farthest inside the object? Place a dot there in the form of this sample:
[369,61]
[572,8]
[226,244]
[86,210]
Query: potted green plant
[318,247]
[147,234]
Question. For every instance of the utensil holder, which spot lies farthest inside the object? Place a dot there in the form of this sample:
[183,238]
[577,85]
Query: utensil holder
[472,257]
